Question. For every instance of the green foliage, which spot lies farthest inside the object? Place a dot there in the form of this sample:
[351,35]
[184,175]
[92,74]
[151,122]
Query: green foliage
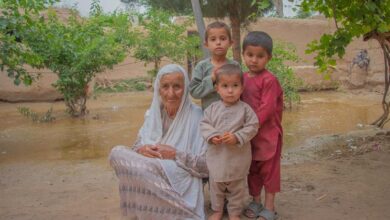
[369,19]
[282,53]
[240,12]
[261,6]
[212,8]
[234,8]
[354,18]
[16,18]
[178,7]
[35,117]
[76,49]
[301,13]
[137,84]
[162,38]
[95,9]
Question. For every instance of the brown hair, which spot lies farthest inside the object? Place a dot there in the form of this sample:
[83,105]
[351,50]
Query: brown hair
[228,70]
[217,24]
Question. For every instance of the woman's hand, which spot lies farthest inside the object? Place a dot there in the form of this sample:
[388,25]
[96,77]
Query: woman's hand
[167,152]
[149,151]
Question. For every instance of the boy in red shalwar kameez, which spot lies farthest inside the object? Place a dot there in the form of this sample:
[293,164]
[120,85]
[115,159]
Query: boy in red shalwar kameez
[264,94]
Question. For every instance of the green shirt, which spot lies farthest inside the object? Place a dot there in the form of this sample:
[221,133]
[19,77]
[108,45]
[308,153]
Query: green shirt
[201,85]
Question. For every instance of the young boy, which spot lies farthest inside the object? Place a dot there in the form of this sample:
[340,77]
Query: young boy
[264,94]
[227,126]
[218,40]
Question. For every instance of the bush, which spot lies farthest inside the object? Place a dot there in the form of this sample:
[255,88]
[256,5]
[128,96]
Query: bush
[35,117]
[162,38]
[283,52]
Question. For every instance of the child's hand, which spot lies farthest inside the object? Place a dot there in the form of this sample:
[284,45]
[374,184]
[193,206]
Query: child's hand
[216,140]
[214,73]
[229,138]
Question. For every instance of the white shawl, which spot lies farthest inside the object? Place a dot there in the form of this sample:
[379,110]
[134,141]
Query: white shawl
[183,134]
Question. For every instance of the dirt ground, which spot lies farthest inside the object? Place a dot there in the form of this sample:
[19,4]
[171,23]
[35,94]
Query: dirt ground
[330,177]
[347,177]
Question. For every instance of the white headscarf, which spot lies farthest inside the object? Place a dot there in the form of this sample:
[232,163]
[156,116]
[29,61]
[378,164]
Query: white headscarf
[183,134]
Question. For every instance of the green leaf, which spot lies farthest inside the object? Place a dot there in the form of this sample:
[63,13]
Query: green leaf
[383,28]
[17,81]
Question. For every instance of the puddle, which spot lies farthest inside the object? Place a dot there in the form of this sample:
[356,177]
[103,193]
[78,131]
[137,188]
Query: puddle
[328,113]
[115,119]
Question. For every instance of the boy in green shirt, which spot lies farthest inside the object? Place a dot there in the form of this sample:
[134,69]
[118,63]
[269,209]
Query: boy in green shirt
[218,40]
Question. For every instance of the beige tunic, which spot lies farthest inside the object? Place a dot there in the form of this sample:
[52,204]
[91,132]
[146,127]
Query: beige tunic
[229,162]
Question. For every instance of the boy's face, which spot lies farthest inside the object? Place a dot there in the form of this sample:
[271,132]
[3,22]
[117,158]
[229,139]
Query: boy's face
[229,87]
[218,41]
[256,58]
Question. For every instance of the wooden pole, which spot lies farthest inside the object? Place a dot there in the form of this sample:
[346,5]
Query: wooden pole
[200,24]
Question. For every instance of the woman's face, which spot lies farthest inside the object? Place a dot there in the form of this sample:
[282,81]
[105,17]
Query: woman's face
[171,90]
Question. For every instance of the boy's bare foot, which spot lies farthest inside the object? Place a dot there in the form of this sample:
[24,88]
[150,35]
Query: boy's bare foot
[216,216]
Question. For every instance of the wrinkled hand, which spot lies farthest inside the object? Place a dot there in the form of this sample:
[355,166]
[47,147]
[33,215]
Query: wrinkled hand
[216,140]
[149,151]
[167,152]
[229,138]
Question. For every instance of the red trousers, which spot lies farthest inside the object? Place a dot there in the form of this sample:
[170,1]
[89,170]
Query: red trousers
[265,174]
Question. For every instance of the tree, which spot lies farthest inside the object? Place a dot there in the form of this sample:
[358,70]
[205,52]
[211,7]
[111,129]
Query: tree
[162,37]
[239,12]
[369,19]
[75,50]
[15,18]
[279,7]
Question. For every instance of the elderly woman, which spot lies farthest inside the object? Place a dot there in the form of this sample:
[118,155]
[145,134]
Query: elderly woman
[161,176]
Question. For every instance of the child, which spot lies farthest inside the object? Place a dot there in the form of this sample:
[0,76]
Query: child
[217,40]
[263,93]
[227,126]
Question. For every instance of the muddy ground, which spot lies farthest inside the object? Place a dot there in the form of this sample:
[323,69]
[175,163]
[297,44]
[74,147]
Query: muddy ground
[343,176]
[341,181]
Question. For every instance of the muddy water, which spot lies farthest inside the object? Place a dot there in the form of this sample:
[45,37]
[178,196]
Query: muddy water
[115,119]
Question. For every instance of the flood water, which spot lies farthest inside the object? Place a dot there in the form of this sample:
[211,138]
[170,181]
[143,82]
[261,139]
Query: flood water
[114,119]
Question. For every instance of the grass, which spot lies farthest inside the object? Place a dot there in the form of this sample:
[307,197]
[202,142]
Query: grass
[35,117]
[127,85]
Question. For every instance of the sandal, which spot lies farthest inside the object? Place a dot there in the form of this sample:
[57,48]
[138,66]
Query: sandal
[253,210]
[268,215]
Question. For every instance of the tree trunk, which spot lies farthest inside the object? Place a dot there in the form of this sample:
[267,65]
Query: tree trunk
[279,8]
[236,37]
[384,41]
[200,25]
[77,107]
